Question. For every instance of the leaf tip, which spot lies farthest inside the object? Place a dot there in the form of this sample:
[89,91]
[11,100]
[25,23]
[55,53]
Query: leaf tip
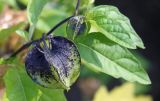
[146,80]
[143,47]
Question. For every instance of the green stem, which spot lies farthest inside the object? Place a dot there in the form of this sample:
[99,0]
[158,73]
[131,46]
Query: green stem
[32,28]
[58,25]
[31,31]
[77,8]
[38,40]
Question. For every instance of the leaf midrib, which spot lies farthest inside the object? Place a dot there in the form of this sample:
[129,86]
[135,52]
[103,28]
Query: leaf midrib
[18,77]
[114,63]
[123,43]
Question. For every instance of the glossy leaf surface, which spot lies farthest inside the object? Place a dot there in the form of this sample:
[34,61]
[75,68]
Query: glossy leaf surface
[100,54]
[109,21]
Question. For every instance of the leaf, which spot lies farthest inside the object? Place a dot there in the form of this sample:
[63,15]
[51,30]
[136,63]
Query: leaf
[1,6]
[114,25]
[12,3]
[19,87]
[24,2]
[45,23]
[5,97]
[86,3]
[1,61]
[5,60]
[34,9]
[52,95]
[5,33]
[23,34]
[100,54]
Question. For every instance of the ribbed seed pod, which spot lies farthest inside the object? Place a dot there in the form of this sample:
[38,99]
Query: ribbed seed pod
[76,26]
[54,65]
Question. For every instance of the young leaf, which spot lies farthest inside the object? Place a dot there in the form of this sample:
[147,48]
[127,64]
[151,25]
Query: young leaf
[114,25]
[100,54]
[34,9]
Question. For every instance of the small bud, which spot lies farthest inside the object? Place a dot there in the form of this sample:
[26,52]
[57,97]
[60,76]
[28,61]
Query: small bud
[54,65]
[76,26]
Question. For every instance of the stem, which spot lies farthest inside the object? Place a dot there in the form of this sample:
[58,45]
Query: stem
[31,42]
[21,48]
[59,24]
[31,31]
[77,8]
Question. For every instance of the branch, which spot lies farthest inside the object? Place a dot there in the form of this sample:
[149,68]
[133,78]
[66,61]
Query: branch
[77,7]
[49,32]
[58,25]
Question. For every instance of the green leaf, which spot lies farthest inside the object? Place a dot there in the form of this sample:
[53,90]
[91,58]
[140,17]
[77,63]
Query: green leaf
[100,54]
[23,34]
[5,97]
[19,87]
[52,95]
[46,22]
[11,3]
[24,2]
[34,9]
[12,61]
[5,33]
[1,61]
[109,21]
[86,3]
[1,6]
